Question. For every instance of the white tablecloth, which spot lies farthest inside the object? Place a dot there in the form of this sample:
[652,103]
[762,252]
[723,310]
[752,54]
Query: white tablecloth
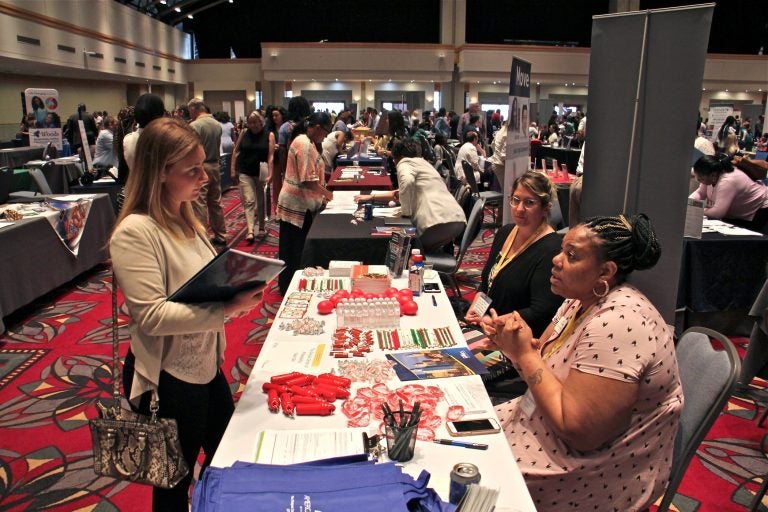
[497,464]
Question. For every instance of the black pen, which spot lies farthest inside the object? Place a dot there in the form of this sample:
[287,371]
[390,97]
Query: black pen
[463,444]
[434,301]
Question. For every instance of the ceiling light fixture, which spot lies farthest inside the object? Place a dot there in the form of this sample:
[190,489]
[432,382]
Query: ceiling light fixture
[177,9]
[190,16]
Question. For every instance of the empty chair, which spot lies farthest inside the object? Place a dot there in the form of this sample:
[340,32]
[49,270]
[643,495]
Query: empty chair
[41,185]
[492,199]
[708,377]
[446,264]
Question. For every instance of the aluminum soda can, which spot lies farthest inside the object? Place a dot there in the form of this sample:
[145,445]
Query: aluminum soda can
[368,211]
[462,474]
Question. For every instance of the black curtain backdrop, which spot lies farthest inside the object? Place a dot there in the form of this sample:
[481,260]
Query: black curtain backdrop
[245,24]
[738,26]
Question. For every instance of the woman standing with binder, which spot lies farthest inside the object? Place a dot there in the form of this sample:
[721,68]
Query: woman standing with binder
[176,349]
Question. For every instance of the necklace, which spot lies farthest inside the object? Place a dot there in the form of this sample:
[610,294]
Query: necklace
[504,257]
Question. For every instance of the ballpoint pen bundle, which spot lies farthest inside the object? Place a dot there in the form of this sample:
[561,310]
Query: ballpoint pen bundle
[400,428]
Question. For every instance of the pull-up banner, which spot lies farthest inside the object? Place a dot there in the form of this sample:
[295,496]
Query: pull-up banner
[644,91]
[518,144]
[44,104]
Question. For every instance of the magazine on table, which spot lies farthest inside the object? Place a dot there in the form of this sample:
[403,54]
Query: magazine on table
[436,364]
[228,274]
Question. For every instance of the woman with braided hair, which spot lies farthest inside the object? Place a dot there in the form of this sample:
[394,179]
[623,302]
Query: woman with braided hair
[596,427]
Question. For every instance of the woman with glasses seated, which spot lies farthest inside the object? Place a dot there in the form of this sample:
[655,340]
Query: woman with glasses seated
[516,275]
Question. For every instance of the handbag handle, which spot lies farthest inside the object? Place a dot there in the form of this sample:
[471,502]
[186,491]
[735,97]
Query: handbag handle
[154,404]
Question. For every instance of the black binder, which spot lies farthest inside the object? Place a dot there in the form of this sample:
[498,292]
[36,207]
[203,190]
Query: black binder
[226,275]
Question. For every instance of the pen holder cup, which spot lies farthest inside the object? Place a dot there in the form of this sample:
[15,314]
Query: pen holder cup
[401,441]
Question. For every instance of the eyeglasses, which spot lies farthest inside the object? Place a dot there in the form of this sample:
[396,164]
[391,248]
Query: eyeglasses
[527,203]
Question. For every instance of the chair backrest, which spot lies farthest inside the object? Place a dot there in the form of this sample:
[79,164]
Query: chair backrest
[469,176]
[462,196]
[708,377]
[474,223]
[40,181]
[6,178]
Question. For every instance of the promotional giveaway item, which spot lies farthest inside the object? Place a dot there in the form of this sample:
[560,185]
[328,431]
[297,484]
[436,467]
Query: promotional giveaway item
[130,446]
[330,485]
[305,395]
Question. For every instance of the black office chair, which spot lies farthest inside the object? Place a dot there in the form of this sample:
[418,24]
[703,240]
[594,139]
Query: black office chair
[447,264]
[493,199]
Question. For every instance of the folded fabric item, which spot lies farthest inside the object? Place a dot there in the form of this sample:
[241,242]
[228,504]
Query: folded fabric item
[332,485]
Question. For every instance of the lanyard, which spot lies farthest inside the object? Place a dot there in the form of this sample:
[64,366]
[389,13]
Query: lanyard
[566,333]
[504,258]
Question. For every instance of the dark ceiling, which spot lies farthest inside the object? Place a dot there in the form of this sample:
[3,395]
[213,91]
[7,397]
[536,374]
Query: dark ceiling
[738,27]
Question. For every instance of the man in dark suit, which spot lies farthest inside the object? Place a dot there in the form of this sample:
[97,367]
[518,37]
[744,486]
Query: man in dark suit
[72,129]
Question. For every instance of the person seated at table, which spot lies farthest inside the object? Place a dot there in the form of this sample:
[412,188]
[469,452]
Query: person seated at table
[596,427]
[176,349]
[553,136]
[423,197]
[516,274]
[303,194]
[106,157]
[472,126]
[730,194]
[470,151]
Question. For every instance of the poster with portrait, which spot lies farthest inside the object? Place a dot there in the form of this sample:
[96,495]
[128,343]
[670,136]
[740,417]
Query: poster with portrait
[518,144]
[43,105]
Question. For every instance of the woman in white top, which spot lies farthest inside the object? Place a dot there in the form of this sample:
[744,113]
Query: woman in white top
[176,349]
[227,132]
[106,157]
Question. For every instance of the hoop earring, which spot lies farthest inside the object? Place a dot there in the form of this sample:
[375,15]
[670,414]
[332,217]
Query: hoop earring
[605,291]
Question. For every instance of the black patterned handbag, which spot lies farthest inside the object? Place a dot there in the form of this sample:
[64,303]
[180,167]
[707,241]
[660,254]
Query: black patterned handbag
[131,446]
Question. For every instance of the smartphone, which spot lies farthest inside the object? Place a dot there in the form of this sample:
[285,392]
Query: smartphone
[431,287]
[472,427]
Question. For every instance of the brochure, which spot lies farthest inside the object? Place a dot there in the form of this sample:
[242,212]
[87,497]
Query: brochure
[436,364]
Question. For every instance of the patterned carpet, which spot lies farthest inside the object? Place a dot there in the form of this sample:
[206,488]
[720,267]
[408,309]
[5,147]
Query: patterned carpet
[54,365]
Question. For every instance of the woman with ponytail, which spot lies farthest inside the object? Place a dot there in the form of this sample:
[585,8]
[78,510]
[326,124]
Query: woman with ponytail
[303,194]
[596,427]
[730,193]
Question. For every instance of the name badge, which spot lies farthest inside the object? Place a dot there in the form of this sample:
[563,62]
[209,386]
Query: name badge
[480,303]
[560,325]
[527,404]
